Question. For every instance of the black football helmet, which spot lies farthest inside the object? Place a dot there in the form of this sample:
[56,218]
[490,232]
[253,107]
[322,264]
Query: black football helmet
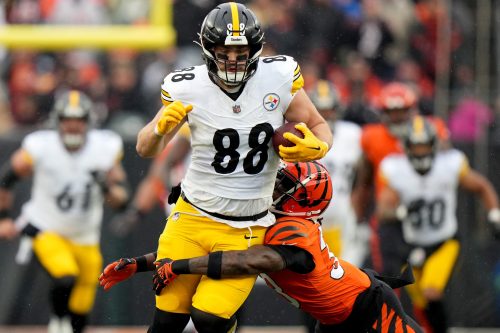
[230,24]
[421,132]
[326,99]
[325,96]
[73,104]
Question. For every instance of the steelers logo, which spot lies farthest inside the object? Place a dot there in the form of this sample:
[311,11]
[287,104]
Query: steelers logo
[271,102]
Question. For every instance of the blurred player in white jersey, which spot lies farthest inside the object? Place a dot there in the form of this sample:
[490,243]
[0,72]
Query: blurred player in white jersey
[420,189]
[340,227]
[74,170]
[232,104]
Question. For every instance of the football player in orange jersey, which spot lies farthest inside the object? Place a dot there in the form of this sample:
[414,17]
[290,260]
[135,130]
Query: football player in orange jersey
[398,106]
[295,261]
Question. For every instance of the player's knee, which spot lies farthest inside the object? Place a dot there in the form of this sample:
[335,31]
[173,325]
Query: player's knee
[205,322]
[60,293]
[168,322]
[65,282]
[432,294]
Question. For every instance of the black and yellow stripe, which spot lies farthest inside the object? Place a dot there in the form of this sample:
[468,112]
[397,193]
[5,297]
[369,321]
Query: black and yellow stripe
[418,125]
[166,98]
[298,80]
[235,18]
[74,98]
[323,89]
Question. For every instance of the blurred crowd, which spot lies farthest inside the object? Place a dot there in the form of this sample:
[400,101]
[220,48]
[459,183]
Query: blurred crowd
[358,45]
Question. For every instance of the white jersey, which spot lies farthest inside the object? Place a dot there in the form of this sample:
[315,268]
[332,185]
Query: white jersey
[340,162]
[431,199]
[233,165]
[64,196]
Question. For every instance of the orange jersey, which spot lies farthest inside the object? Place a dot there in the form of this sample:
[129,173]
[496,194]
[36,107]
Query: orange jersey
[329,291]
[377,142]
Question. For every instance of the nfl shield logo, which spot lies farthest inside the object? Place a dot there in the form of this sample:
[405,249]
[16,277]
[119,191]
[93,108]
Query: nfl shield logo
[236,109]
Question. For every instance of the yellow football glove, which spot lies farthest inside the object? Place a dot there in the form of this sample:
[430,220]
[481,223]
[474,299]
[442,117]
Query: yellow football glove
[309,148]
[172,115]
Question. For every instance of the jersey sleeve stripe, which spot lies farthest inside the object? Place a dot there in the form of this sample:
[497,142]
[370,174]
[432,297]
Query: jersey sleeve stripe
[296,70]
[284,229]
[288,228]
[294,236]
[298,83]
[166,93]
[464,168]
[167,98]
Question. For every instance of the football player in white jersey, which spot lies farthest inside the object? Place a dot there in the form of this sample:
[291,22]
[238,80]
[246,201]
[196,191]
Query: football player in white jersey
[420,189]
[232,104]
[74,170]
[340,227]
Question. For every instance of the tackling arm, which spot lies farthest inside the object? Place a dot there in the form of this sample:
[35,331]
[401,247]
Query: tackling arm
[124,268]
[257,259]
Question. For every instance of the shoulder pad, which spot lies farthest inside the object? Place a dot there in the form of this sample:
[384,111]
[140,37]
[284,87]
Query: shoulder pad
[289,231]
[178,82]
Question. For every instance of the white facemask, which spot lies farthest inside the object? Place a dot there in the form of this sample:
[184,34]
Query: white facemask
[73,141]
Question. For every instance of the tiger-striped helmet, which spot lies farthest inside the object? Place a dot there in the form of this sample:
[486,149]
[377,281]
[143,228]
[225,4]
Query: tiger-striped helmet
[302,189]
[397,101]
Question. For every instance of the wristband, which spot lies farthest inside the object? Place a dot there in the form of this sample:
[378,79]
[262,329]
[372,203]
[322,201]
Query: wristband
[214,270]
[494,215]
[142,264]
[181,266]
[4,213]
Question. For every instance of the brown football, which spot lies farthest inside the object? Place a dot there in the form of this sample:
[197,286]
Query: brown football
[278,138]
